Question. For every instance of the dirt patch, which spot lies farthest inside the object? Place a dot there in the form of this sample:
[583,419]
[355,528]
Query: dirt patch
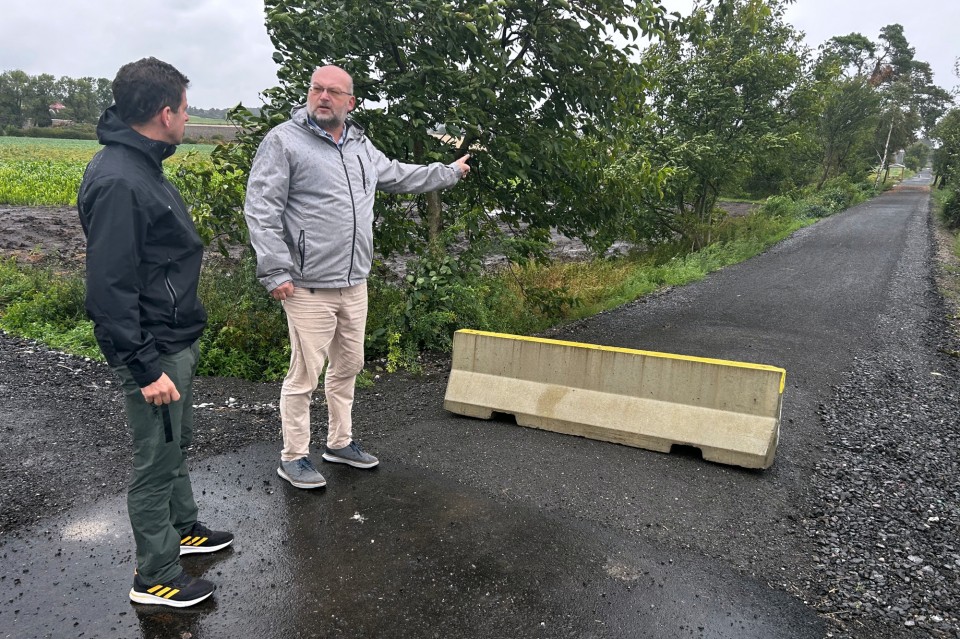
[738,209]
[32,233]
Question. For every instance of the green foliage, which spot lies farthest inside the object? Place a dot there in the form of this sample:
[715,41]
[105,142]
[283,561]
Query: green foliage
[850,114]
[214,190]
[718,103]
[946,159]
[528,88]
[950,212]
[40,183]
[836,195]
[246,332]
[46,304]
[876,98]
[444,293]
[76,132]
[27,99]
[916,156]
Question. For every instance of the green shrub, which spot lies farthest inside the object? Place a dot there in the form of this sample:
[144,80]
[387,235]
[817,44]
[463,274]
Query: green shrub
[247,337]
[951,209]
[73,132]
[444,293]
[779,206]
[46,304]
[246,332]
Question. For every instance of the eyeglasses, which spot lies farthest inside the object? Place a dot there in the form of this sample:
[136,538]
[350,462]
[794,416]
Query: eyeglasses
[333,93]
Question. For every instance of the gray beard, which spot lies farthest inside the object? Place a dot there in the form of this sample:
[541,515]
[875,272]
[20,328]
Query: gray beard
[331,122]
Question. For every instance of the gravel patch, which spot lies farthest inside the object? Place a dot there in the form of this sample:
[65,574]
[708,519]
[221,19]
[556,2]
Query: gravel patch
[884,507]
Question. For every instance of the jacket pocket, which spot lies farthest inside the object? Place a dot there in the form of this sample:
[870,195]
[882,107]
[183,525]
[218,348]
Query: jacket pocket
[172,292]
[363,173]
[302,249]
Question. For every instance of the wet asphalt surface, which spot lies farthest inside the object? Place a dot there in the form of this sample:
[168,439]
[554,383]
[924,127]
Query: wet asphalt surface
[486,529]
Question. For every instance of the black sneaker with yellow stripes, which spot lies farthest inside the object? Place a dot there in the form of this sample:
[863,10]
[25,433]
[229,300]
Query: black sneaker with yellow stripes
[202,539]
[180,592]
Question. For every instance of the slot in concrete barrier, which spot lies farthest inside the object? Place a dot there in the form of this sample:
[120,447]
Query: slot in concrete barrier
[729,410]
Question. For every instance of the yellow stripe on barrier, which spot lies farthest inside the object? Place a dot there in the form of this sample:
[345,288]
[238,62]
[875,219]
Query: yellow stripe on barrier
[633,351]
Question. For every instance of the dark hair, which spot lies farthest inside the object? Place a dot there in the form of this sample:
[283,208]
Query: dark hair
[144,88]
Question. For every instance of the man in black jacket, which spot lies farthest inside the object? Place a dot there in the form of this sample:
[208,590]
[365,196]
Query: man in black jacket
[143,266]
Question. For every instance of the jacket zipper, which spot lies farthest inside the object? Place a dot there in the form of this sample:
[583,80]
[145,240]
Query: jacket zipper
[353,205]
[302,248]
[171,291]
[166,273]
[363,173]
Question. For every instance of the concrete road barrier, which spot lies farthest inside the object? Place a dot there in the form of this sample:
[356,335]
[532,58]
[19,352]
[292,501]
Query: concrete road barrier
[729,410]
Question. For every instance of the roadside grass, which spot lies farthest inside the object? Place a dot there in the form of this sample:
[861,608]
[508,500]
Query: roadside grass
[949,281]
[45,303]
[601,285]
[246,335]
[47,172]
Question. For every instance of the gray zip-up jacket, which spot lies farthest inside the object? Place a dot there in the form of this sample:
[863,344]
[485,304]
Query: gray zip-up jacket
[309,204]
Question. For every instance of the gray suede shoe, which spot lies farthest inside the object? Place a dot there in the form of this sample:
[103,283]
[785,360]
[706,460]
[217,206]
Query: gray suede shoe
[301,473]
[351,455]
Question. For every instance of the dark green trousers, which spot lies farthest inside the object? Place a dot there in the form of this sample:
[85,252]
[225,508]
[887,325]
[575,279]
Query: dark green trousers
[160,499]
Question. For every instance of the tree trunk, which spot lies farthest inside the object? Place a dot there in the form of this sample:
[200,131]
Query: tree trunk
[883,161]
[825,175]
[434,216]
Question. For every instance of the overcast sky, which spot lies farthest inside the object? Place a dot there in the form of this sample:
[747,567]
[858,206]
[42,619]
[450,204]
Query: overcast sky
[222,45]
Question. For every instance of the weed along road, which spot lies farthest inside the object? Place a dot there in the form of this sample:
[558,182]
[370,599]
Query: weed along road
[482,529]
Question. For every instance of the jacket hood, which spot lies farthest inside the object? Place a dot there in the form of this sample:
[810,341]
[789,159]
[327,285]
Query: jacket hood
[112,130]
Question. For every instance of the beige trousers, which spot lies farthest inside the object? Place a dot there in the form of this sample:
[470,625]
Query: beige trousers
[326,327]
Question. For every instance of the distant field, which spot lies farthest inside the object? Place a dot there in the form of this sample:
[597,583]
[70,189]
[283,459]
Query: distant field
[46,172]
[199,119]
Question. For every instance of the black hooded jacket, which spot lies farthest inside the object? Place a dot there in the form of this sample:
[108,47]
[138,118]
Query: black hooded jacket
[143,252]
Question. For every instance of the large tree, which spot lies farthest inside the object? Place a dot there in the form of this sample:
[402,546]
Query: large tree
[908,101]
[26,99]
[850,114]
[720,100]
[81,97]
[42,94]
[14,96]
[533,89]
[946,158]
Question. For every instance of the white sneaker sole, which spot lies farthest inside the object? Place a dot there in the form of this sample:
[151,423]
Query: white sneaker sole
[300,484]
[147,598]
[190,550]
[350,462]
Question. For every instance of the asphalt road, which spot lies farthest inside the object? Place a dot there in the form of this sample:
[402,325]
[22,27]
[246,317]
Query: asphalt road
[481,529]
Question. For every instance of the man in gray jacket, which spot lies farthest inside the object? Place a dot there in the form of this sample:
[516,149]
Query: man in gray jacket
[309,208]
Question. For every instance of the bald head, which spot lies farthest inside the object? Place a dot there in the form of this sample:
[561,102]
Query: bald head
[330,98]
[330,73]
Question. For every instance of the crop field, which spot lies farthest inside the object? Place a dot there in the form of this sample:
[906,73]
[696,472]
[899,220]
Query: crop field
[47,172]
